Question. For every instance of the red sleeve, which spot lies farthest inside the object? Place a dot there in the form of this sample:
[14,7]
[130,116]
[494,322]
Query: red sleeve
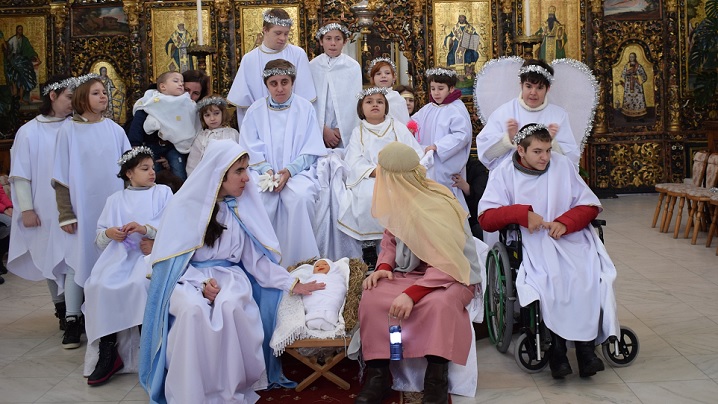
[578,218]
[5,202]
[417,292]
[498,218]
[384,267]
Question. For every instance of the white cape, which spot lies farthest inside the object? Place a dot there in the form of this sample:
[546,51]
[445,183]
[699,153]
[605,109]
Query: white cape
[176,115]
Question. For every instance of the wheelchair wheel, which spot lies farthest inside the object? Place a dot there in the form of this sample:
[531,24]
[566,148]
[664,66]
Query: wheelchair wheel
[525,354]
[628,347]
[499,299]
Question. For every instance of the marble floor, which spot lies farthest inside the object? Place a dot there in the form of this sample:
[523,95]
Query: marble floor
[667,291]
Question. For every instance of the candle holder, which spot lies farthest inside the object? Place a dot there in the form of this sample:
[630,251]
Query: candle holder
[201,52]
[527,43]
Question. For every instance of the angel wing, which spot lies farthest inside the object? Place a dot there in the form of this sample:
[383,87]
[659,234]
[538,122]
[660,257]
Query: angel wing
[575,89]
[496,84]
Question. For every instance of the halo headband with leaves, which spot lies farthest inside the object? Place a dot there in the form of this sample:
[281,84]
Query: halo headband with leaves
[218,101]
[134,152]
[331,27]
[536,69]
[58,85]
[372,91]
[279,72]
[440,71]
[270,19]
[382,59]
[528,131]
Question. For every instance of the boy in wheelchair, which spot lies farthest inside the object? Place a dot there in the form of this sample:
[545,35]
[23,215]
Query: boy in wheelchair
[565,266]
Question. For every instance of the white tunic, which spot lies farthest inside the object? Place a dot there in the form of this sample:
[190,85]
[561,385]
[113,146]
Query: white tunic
[362,157]
[336,80]
[203,336]
[492,143]
[199,145]
[573,276]
[449,128]
[278,137]
[36,252]
[86,157]
[248,85]
[397,107]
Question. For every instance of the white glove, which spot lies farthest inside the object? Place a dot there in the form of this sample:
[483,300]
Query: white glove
[428,159]
[151,124]
[268,182]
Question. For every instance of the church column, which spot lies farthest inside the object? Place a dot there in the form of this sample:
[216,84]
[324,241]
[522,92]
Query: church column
[58,64]
[223,8]
[674,105]
[507,29]
[132,9]
[310,7]
[417,55]
[600,63]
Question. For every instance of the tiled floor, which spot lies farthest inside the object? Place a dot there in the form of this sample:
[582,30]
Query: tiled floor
[667,292]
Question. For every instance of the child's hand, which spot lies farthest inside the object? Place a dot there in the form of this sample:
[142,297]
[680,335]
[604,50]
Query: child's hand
[210,290]
[331,137]
[30,218]
[535,222]
[134,227]
[307,288]
[146,245]
[460,182]
[115,233]
[555,229]
[69,228]
[432,147]
[284,175]
[553,129]
[163,162]
[8,212]
[512,128]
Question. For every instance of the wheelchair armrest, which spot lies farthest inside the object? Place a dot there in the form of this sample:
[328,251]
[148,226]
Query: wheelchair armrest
[598,222]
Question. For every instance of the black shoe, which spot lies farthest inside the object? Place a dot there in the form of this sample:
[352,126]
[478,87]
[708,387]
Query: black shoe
[368,252]
[71,338]
[436,383]
[376,387]
[60,314]
[3,270]
[2,280]
[557,360]
[588,363]
[108,363]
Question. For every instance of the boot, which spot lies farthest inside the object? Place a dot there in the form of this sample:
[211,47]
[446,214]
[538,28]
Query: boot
[4,248]
[436,383]
[71,338]
[588,362]
[108,363]
[60,314]
[376,387]
[557,360]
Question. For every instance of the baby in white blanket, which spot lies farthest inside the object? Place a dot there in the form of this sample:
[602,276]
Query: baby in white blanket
[322,306]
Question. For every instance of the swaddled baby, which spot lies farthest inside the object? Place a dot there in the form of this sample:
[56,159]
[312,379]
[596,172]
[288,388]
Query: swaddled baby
[322,306]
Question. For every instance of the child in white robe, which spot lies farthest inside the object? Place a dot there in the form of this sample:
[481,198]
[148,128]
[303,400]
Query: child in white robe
[322,307]
[445,128]
[215,123]
[84,176]
[335,75]
[247,86]
[376,130]
[382,73]
[494,142]
[565,265]
[125,231]
[283,139]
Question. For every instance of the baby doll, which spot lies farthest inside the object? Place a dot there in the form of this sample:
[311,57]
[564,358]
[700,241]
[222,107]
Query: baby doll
[322,306]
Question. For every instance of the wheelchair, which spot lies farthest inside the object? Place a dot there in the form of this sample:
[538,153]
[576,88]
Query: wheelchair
[502,313]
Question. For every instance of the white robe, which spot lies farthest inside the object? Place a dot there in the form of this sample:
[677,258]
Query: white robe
[573,276]
[35,253]
[397,107]
[248,85]
[278,137]
[175,117]
[335,80]
[321,308]
[203,336]
[493,145]
[362,157]
[86,157]
[199,145]
[449,128]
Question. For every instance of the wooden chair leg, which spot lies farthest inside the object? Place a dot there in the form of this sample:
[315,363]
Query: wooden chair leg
[713,227]
[699,218]
[668,213]
[677,229]
[661,195]
[691,209]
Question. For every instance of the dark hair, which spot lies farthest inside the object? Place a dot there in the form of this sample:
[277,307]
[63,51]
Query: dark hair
[81,96]
[344,35]
[132,163]
[226,116]
[360,103]
[442,79]
[46,107]
[275,12]
[197,76]
[542,135]
[279,64]
[167,177]
[215,228]
[408,89]
[536,78]
[378,66]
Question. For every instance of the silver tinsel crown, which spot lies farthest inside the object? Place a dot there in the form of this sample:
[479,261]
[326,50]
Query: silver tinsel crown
[528,131]
[372,91]
[330,27]
[440,71]
[134,152]
[284,22]
[57,85]
[211,101]
[382,59]
[279,72]
[78,81]
[536,69]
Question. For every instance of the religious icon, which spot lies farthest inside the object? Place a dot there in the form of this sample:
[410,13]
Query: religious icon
[633,96]
[22,68]
[553,38]
[116,91]
[251,26]
[634,10]
[176,48]
[99,21]
[174,30]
